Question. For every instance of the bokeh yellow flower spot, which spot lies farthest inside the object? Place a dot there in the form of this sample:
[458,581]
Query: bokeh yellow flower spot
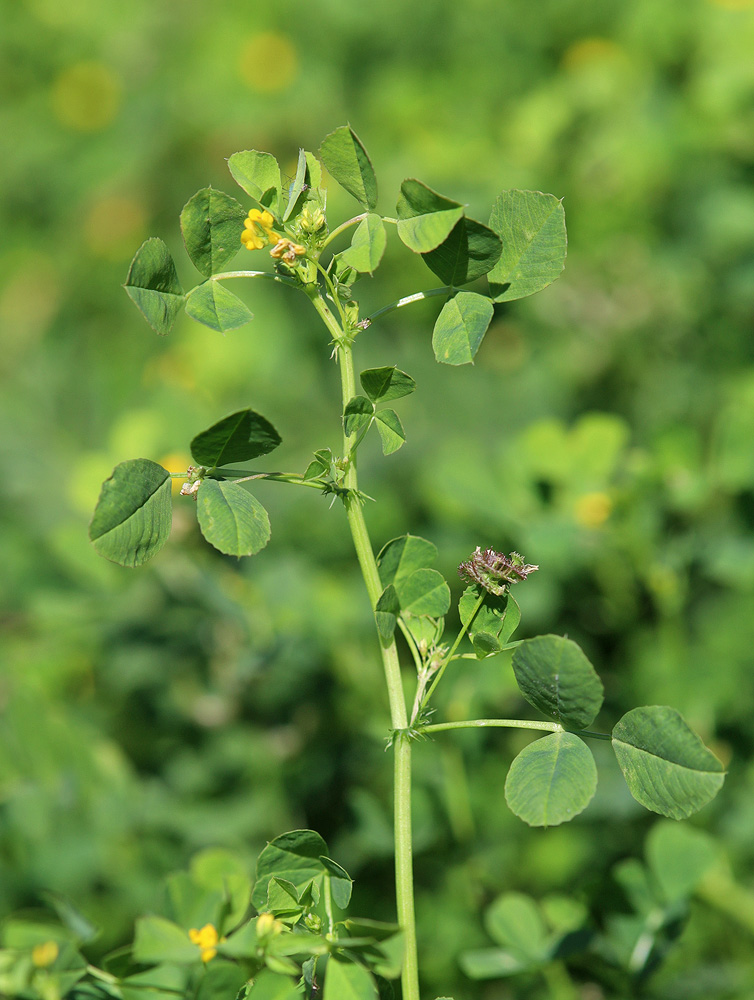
[176,461]
[86,96]
[588,51]
[43,955]
[592,510]
[258,231]
[207,940]
[268,62]
[28,305]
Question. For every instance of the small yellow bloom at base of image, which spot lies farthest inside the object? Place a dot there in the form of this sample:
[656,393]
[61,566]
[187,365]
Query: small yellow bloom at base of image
[258,231]
[592,510]
[268,62]
[43,955]
[86,96]
[207,940]
[733,4]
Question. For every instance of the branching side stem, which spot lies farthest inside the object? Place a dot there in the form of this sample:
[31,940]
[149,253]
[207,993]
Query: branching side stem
[408,299]
[550,727]
[449,656]
[342,228]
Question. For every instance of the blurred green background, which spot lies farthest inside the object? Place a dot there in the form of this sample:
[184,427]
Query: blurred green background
[606,432]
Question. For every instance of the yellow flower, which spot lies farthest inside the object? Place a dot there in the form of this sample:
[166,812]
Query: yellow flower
[287,250]
[207,939]
[258,230]
[44,954]
[592,510]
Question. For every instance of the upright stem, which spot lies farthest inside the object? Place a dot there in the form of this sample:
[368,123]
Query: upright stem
[404,865]
[404,875]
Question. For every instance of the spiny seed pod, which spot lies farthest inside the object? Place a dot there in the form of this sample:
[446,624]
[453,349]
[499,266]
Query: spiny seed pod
[495,572]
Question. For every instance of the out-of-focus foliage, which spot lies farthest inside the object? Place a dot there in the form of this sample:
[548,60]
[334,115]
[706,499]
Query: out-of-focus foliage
[606,432]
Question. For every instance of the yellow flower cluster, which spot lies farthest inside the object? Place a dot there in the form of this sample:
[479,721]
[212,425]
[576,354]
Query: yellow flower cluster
[258,230]
[207,939]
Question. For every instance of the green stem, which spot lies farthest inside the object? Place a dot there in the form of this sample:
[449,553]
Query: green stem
[335,299]
[411,643]
[503,649]
[342,228]
[404,867]
[404,876]
[417,297]
[255,274]
[550,727]
[355,444]
[559,983]
[245,476]
[328,907]
[293,478]
[453,648]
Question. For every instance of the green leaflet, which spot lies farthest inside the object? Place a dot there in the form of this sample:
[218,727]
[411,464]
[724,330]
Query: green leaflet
[294,856]
[469,251]
[402,556]
[386,613]
[213,305]
[494,623]
[531,226]
[219,981]
[155,983]
[367,246]
[231,519]
[552,780]
[238,438]
[404,562]
[679,857]
[425,218]
[386,383]
[515,921]
[259,176]
[348,981]
[152,284]
[555,677]
[460,328]
[425,592]
[520,926]
[273,986]
[390,430]
[133,516]
[217,867]
[666,766]
[341,883]
[348,163]
[211,223]
[298,185]
[160,940]
[491,963]
[357,414]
